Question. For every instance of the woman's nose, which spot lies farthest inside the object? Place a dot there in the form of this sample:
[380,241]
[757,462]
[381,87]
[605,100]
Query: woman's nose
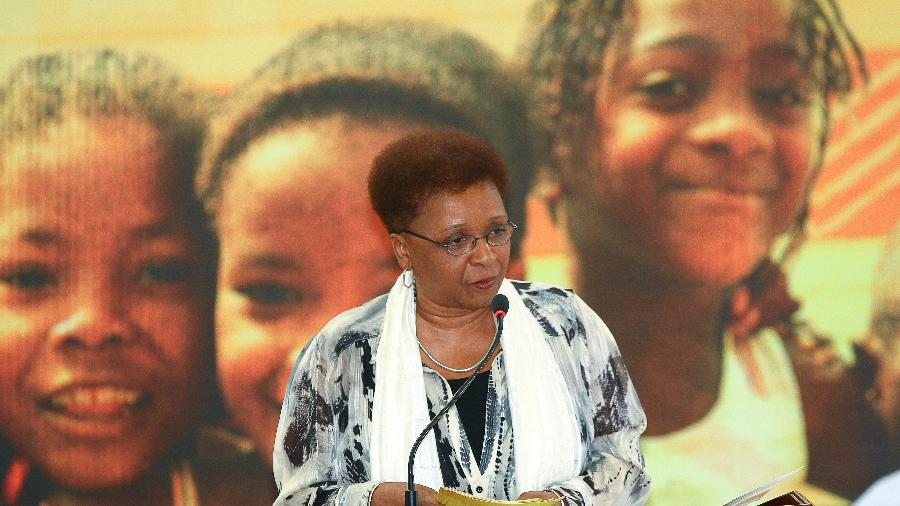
[729,125]
[482,251]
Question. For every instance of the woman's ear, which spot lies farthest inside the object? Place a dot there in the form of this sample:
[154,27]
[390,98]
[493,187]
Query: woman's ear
[401,251]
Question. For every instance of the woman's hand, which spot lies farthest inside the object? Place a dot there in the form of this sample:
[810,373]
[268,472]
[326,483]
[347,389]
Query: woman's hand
[392,494]
[541,494]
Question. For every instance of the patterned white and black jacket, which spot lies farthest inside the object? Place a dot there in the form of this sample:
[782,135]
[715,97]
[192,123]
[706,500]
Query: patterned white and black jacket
[322,456]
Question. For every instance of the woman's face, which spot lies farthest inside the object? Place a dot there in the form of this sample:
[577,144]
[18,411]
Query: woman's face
[104,320]
[299,244]
[700,148]
[465,282]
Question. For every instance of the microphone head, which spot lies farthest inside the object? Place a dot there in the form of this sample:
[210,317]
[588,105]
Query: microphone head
[500,305]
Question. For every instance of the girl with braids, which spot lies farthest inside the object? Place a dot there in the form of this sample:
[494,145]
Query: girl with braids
[105,285]
[686,135]
[283,179]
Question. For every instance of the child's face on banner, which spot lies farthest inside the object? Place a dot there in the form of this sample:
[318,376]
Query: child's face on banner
[291,259]
[701,150]
[103,325]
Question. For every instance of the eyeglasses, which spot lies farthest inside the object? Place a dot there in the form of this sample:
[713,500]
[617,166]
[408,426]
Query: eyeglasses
[459,245]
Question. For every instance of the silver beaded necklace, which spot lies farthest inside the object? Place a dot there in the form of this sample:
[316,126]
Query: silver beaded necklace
[447,367]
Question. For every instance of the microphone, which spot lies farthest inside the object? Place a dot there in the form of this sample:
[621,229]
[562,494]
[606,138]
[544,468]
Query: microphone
[499,306]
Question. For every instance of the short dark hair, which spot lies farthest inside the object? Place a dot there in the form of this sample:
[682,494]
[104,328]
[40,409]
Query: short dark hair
[52,87]
[387,70]
[436,160]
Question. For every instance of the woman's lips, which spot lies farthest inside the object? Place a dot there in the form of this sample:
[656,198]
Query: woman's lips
[484,284]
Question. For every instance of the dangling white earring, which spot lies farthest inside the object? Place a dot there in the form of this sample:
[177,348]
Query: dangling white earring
[408,277]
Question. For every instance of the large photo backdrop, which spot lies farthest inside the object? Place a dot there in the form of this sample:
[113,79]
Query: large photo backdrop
[183,206]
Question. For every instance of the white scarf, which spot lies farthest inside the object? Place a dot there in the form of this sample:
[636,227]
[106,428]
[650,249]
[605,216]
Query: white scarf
[547,446]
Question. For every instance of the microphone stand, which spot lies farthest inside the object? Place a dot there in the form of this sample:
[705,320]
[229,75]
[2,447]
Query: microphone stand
[411,494]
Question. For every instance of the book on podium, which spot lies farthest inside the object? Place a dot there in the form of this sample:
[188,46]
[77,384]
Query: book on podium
[450,497]
[792,498]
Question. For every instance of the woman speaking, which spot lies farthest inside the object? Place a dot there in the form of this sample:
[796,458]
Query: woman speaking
[552,413]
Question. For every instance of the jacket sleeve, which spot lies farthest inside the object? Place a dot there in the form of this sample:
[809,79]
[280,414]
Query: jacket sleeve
[614,473]
[304,457]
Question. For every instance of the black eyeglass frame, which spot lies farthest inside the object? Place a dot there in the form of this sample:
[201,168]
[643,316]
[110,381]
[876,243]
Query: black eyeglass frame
[446,246]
